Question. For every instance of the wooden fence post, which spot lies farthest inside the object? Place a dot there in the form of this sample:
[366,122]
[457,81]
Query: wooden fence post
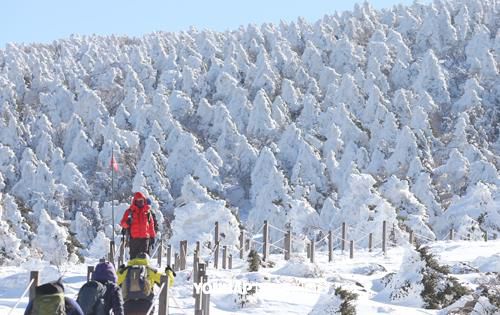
[342,241]
[111,256]
[206,299]
[485,236]
[195,272]
[312,250]
[90,270]
[176,262]
[247,245]
[451,234]
[242,243]
[182,254]
[411,237]
[122,252]
[216,255]
[224,257]
[265,247]
[216,244]
[169,255]
[351,249]
[198,310]
[308,249]
[370,242]
[160,252]
[163,302]
[330,246]
[384,230]
[230,261]
[35,276]
[288,244]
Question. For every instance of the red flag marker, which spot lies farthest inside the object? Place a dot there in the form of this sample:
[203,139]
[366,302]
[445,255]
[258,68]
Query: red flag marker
[114,165]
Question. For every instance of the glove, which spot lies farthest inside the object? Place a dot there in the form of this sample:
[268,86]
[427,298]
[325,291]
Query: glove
[124,232]
[167,269]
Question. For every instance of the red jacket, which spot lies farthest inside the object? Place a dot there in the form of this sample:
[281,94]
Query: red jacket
[142,224]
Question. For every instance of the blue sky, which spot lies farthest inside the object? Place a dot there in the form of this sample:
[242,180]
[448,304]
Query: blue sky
[29,21]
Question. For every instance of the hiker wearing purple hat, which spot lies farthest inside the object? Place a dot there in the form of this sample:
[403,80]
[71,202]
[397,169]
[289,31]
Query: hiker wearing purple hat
[101,294]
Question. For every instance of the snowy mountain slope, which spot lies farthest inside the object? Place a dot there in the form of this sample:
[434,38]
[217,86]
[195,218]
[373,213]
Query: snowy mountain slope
[361,117]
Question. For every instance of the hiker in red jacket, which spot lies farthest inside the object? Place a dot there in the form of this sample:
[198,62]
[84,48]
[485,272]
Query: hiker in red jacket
[138,220]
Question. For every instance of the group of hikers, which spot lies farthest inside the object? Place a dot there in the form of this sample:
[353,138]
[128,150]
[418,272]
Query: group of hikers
[127,291]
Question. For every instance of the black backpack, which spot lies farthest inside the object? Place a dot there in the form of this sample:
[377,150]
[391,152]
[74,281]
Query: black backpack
[91,298]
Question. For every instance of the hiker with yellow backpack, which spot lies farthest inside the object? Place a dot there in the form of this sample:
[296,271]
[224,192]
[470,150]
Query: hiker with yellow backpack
[137,281]
[50,299]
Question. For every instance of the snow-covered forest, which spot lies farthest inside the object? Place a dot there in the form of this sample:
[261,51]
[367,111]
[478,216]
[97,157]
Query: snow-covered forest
[360,117]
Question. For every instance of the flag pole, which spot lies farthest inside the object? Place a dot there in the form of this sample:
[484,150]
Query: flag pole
[113,192]
[113,198]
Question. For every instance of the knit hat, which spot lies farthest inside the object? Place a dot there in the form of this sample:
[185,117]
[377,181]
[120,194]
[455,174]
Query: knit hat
[103,272]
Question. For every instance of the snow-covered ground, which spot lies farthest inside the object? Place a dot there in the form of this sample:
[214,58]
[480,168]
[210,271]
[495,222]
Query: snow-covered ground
[293,287]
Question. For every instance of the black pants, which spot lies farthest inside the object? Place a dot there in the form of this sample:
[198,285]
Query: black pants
[137,307]
[138,245]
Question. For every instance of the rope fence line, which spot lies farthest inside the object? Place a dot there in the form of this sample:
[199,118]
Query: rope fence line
[155,301]
[425,238]
[276,228]
[447,236]
[364,237]
[321,240]
[22,296]
[282,249]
